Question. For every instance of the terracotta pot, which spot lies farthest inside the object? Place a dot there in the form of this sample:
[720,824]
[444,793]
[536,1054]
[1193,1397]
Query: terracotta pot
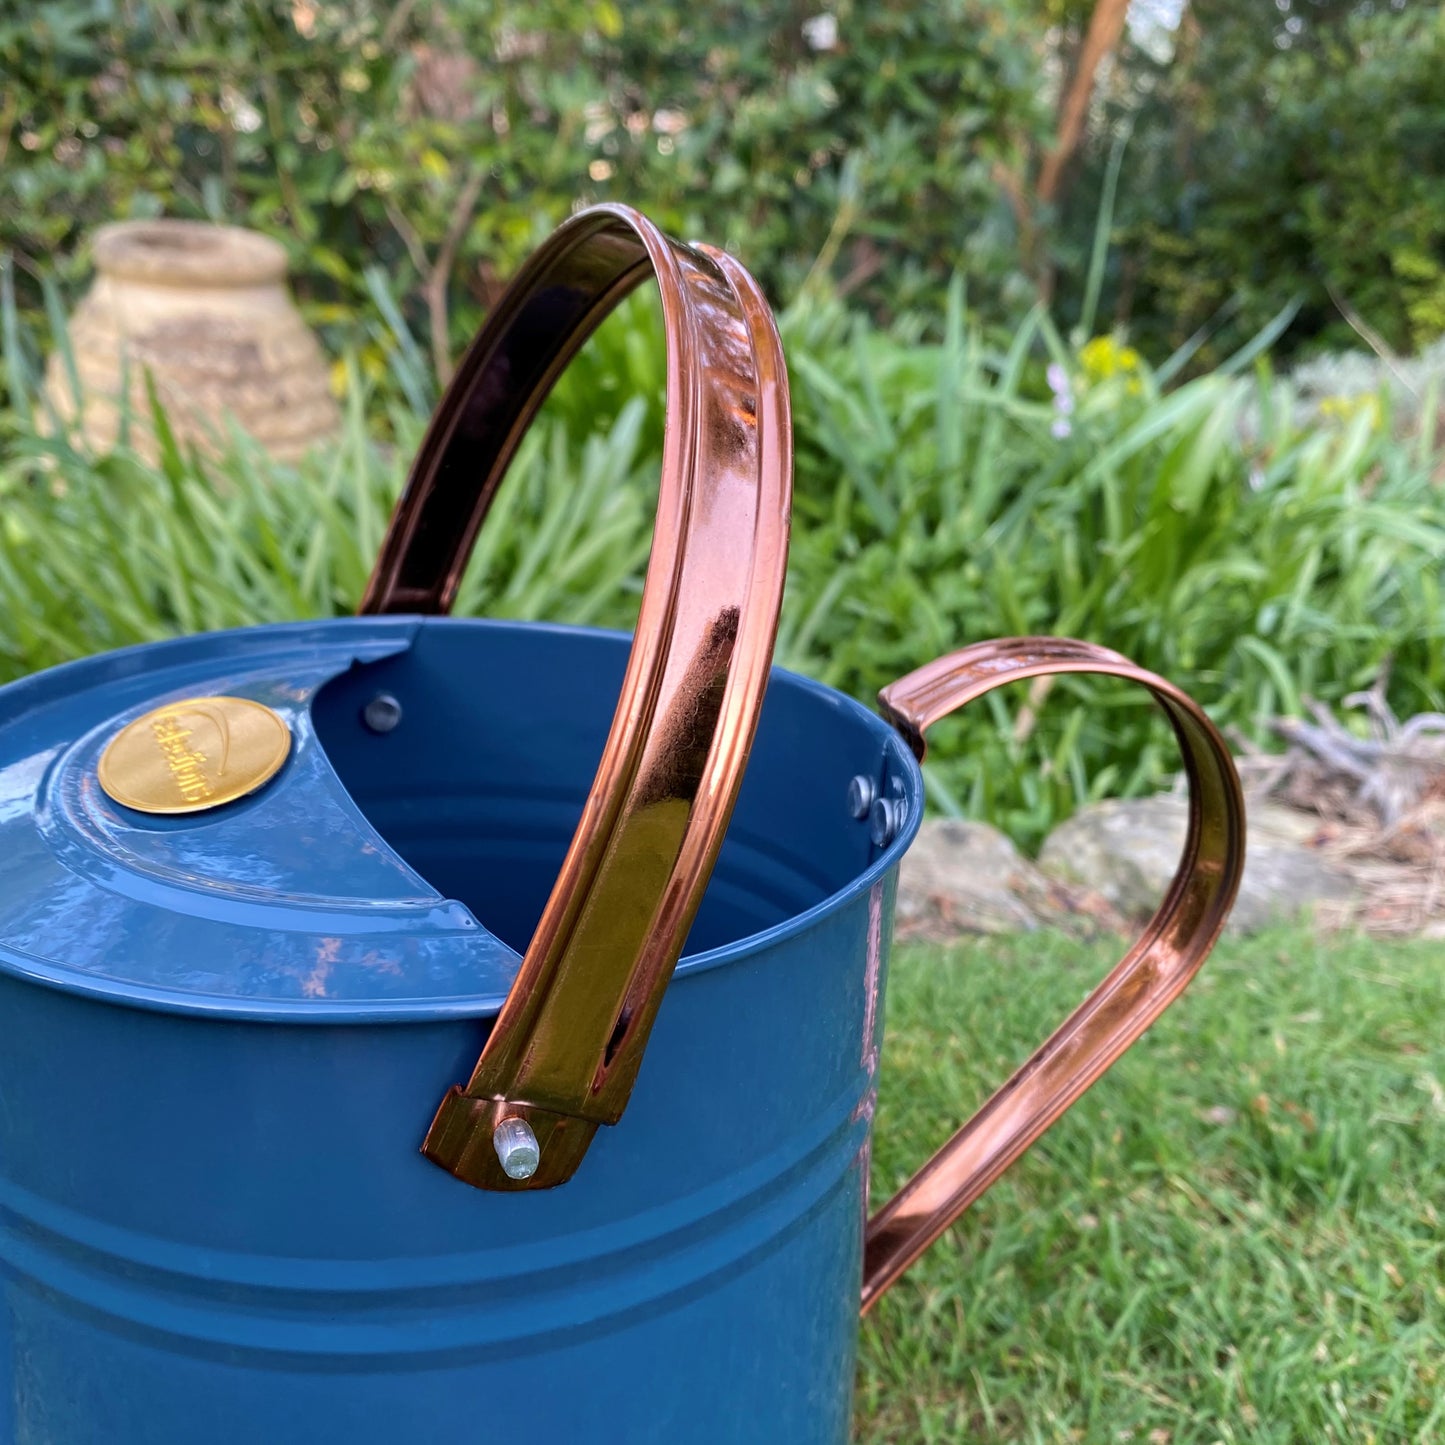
[204,309]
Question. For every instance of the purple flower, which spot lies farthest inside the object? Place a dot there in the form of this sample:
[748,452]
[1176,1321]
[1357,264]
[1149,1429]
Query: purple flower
[1063,400]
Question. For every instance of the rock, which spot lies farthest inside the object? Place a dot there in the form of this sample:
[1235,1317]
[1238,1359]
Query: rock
[961,877]
[1127,850]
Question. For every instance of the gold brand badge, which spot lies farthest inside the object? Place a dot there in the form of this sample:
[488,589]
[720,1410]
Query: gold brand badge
[192,755]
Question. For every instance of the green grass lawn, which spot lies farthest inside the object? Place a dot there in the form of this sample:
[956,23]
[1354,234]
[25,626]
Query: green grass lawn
[1238,1236]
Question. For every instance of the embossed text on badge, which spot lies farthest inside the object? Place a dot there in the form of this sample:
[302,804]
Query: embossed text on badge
[195,754]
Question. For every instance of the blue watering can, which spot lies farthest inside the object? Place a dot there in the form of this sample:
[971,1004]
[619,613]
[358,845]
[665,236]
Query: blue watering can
[291,916]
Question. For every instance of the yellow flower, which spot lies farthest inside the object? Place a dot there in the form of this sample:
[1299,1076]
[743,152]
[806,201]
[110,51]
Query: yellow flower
[1344,408]
[1103,358]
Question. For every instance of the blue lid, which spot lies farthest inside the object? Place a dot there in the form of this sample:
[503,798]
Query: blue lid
[283,903]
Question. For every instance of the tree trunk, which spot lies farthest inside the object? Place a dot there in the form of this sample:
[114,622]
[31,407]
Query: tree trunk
[1106,25]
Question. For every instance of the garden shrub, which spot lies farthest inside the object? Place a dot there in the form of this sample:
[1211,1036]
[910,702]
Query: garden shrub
[1269,164]
[451,136]
[938,501]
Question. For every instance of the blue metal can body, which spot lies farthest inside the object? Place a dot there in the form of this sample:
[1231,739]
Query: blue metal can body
[222,1038]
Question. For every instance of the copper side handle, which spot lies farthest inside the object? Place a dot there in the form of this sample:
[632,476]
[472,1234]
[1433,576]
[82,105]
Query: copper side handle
[567,1044]
[1151,976]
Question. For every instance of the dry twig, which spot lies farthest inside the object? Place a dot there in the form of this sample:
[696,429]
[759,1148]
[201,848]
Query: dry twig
[436,272]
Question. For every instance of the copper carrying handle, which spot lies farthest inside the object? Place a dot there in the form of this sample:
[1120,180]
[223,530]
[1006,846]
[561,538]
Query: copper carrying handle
[565,1049]
[1151,976]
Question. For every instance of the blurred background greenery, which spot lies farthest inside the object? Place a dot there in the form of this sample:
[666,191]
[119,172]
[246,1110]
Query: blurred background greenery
[1272,151]
[1112,319]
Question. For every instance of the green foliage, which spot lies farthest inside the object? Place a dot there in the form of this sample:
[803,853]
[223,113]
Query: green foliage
[875,151]
[1236,1236]
[1197,530]
[320,124]
[238,541]
[936,507]
[1269,163]
[876,148]
[442,140]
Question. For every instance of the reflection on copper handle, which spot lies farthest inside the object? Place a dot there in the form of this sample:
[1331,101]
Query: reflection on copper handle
[1152,974]
[566,1047]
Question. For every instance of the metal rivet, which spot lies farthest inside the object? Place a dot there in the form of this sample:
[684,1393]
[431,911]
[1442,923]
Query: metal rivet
[885,818]
[861,792]
[382,713]
[517,1148]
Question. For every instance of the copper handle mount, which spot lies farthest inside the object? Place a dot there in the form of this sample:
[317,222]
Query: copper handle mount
[564,1052]
[1151,976]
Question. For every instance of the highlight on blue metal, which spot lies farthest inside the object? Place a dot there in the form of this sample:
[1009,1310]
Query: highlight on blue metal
[222,1036]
